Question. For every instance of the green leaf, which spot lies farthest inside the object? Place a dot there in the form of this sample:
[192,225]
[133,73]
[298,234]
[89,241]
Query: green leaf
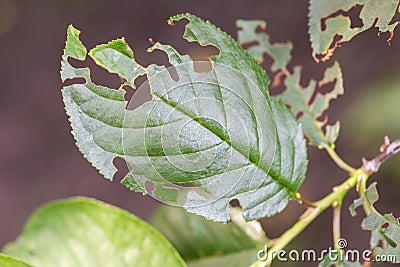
[7,261]
[117,57]
[384,228]
[86,232]
[297,97]
[203,140]
[374,13]
[206,243]
[260,44]
[309,108]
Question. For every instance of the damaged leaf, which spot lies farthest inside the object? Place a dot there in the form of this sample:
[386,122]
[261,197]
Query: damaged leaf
[260,44]
[310,108]
[374,13]
[203,140]
[385,229]
[307,104]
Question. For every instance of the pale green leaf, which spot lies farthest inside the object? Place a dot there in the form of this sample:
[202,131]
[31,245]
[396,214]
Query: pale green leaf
[209,244]
[309,109]
[374,13]
[259,44]
[7,261]
[385,229]
[217,130]
[86,232]
[117,57]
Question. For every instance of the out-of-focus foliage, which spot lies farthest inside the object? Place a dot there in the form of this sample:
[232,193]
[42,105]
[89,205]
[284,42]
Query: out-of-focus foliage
[204,243]
[374,13]
[306,103]
[87,232]
[385,229]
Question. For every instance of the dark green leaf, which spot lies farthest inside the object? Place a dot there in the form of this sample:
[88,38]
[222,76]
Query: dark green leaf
[206,243]
[216,130]
[86,232]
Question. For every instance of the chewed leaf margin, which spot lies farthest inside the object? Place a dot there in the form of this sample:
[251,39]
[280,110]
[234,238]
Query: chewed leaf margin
[374,13]
[97,117]
[385,229]
[306,102]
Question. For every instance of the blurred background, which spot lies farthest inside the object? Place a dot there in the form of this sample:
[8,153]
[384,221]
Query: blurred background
[39,161]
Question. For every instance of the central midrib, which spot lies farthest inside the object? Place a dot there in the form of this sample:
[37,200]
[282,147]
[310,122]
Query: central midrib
[277,177]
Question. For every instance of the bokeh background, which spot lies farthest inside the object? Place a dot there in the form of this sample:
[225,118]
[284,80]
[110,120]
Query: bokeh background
[39,161]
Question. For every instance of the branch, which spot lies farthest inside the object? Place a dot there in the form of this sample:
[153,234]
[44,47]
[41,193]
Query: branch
[338,160]
[388,149]
[309,216]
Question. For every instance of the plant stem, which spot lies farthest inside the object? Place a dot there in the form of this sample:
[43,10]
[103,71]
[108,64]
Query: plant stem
[338,160]
[309,215]
[337,208]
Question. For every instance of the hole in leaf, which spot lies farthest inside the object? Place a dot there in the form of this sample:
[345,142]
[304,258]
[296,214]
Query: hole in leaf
[202,53]
[73,81]
[173,73]
[139,96]
[260,29]
[234,203]
[299,115]
[248,45]
[122,168]
[202,66]
[353,14]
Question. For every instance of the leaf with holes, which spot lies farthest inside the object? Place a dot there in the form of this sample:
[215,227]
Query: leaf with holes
[374,13]
[310,108]
[304,104]
[87,232]
[204,139]
[206,243]
[260,44]
[385,229]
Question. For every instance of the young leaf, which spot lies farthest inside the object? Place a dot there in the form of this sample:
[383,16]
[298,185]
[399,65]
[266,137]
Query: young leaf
[297,97]
[374,13]
[7,261]
[385,229]
[216,130]
[87,232]
[206,243]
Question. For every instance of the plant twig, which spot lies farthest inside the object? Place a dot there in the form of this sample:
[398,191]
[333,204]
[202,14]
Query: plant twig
[337,207]
[308,216]
[357,179]
[338,160]
[388,149]
[303,201]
